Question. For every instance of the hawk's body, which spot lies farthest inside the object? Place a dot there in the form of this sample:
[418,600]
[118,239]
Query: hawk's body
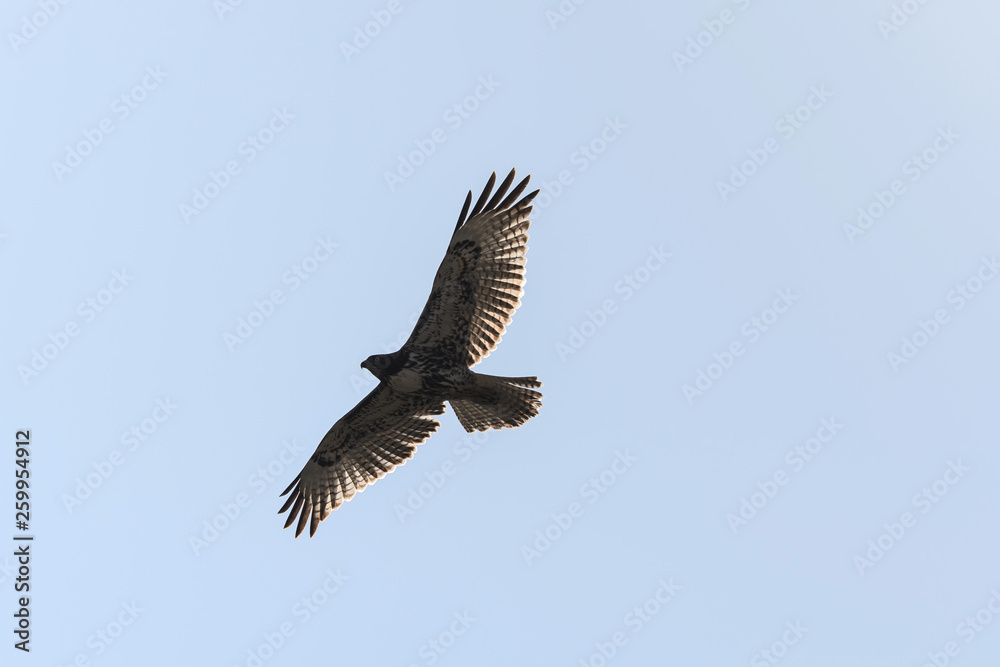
[476,290]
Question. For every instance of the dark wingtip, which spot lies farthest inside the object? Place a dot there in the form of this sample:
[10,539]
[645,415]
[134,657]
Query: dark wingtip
[465,209]
[290,486]
[501,191]
[483,197]
[286,505]
[306,511]
[515,193]
[495,202]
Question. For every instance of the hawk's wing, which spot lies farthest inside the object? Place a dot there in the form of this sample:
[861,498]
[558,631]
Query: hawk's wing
[381,432]
[481,279]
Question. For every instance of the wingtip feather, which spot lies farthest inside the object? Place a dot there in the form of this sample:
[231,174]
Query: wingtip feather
[465,209]
[483,197]
[501,191]
[515,193]
[302,519]
[290,486]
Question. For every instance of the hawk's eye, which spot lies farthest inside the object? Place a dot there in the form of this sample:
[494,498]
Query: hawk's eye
[383,362]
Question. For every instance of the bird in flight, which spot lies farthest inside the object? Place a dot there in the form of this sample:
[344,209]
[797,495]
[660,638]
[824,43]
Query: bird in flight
[475,293]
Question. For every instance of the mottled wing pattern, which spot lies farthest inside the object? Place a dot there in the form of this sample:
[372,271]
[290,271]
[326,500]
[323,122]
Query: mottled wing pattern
[381,432]
[481,279]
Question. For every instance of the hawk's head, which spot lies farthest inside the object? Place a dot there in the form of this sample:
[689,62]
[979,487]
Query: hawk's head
[378,365]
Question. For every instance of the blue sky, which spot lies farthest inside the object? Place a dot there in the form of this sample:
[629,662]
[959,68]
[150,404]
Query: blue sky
[760,292]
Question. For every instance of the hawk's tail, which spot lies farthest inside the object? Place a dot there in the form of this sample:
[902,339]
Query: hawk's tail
[502,403]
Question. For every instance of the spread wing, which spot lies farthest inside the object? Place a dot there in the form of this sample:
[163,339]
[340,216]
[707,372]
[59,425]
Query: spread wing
[381,432]
[481,279]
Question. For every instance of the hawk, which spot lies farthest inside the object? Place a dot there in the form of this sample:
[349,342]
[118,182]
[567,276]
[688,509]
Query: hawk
[475,293]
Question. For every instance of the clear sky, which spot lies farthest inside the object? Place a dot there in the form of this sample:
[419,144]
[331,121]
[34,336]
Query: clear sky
[762,294]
